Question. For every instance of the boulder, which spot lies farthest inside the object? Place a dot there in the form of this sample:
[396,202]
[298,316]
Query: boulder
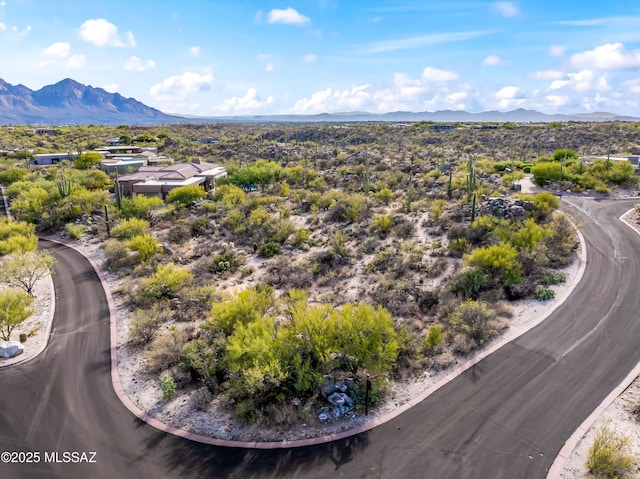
[9,349]
[336,399]
[329,387]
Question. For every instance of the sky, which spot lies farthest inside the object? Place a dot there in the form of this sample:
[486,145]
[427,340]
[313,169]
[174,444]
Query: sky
[244,57]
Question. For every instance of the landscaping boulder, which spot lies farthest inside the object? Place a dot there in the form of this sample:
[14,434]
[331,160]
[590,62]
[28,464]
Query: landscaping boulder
[329,387]
[9,349]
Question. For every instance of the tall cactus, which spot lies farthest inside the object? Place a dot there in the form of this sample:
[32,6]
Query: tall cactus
[471,177]
[117,189]
[473,208]
[367,175]
[449,185]
[410,192]
[64,186]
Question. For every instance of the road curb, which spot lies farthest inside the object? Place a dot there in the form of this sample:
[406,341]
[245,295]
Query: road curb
[557,467]
[375,422]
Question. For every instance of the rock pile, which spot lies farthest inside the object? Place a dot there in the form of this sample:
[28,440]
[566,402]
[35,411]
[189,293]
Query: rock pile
[9,349]
[513,209]
[339,396]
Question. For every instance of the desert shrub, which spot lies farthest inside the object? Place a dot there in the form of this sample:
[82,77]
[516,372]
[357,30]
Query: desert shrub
[281,231]
[129,228]
[499,261]
[553,278]
[146,322]
[16,236]
[11,175]
[168,386]
[186,195]
[475,319]
[199,226]
[268,250]
[15,307]
[236,222]
[403,228]
[139,206]
[206,360]
[544,294]
[241,308]
[74,231]
[459,247]
[384,195]
[381,224]
[284,273]
[166,350]
[561,242]
[301,236]
[179,232]
[609,456]
[166,281]
[223,262]
[117,255]
[145,246]
[432,344]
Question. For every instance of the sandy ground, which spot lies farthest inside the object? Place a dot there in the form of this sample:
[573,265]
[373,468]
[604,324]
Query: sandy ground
[36,327]
[189,411]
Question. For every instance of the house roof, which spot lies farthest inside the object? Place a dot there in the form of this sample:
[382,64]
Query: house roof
[176,171]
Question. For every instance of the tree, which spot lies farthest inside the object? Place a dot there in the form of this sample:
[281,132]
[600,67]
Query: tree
[139,206]
[87,160]
[185,195]
[564,154]
[16,236]
[15,307]
[25,268]
[499,260]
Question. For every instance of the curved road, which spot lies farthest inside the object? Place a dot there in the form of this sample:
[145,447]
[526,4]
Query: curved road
[508,416]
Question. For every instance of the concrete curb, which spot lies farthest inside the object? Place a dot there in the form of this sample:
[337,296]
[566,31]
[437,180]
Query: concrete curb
[375,422]
[558,465]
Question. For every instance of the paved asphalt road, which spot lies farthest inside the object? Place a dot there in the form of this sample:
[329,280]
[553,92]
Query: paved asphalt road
[507,417]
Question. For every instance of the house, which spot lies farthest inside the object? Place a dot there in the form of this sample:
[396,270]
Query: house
[52,158]
[442,127]
[110,151]
[158,180]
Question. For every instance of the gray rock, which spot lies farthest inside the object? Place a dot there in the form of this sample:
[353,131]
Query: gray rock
[324,417]
[329,387]
[9,349]
[337,399]
[350,383]
[342,387]
[336,412]
[517,211]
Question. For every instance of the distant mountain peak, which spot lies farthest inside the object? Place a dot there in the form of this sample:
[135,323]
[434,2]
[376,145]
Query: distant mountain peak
[71,102]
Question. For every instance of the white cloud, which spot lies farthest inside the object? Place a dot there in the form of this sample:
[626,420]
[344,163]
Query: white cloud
[557,50]
[194,51]
[249,102]
[111,88]
[308,58]
[557,101]
[102,33]
[506,9]
[58,49]
[288,16]
[610,56]
[334,100]
[549,75]
[2,26]
[510,97]
[583,81]
[493,61]
[434,75]
[179,86]
[269,67]
[135,64]
[263,57]
[75,61]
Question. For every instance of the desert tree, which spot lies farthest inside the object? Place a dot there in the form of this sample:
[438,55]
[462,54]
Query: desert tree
[15,307]
[25,268]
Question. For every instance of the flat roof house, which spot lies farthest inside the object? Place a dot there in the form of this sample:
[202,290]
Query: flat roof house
[159,180]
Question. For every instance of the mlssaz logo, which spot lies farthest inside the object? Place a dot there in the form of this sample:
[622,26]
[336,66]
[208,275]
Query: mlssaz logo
[70,457]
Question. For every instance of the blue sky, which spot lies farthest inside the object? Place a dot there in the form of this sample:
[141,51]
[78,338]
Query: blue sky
[241,57]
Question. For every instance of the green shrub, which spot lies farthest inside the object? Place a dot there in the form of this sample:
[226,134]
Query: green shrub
[74,231]
[146,247]
[139,206]
[185,195]
[146,322]
[385,195]
[268,250]
[129,228]
[11,175]
[609,456]
[166,281]
[553,278]
[544,294]
[17,236]
[382,224]
[199,226]
[168,386]
[433,342]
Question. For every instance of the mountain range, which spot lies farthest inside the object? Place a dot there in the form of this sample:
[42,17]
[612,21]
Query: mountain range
[70,103]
